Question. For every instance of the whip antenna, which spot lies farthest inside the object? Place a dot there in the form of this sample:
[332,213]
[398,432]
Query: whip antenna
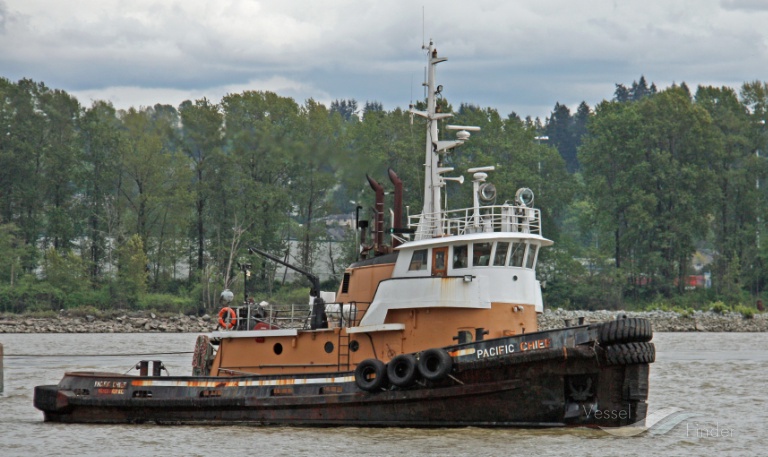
[423,33]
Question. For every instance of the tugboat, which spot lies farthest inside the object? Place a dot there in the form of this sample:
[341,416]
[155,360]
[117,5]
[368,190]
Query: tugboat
[438,329]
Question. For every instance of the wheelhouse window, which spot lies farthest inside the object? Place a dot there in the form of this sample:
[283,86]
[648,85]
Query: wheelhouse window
[500,256]
[481,254]
[460,256]
[518,254]
[531,257]
[418,260]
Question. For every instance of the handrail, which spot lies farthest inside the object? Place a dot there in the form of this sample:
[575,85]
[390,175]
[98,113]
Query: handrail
[299,315]
[493,218]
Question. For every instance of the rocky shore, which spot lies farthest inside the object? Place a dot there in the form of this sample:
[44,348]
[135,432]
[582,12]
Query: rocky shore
[133,323]
[663,321]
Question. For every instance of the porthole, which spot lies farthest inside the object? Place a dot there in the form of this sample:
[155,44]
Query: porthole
[328,347]
[278,348]
[354,346]
[514,278]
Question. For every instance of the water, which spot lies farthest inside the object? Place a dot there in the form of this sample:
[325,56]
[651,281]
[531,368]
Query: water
[721,377]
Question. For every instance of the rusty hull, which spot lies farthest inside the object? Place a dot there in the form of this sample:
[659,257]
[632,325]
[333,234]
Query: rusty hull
[542,379]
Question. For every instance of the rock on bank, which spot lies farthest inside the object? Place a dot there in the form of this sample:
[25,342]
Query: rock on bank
[134,323]
[663,321]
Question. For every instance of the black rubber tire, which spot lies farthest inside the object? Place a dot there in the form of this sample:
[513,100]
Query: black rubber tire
[630,353]
[371,375]
[435,364]
[402,370]
[628,330]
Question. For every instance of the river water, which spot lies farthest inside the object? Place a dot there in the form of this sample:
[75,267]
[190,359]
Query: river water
[718,382]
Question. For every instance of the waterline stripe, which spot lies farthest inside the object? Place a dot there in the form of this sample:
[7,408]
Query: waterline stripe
[252,383]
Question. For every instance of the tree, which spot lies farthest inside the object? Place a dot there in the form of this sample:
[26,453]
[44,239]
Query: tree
[262,134]
[12,252]
[315,176]
[646,170]
[61,113]
[560,130]
[202,136]
[100,153]
[347,109]
[132,271]
[371,107]
[636,92]
[22,162]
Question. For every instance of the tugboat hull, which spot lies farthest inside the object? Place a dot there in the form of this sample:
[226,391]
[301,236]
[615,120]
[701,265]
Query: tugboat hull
[554,378]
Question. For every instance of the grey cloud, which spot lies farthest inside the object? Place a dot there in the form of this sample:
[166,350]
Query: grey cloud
[745,5]
[510,56]
[3,15]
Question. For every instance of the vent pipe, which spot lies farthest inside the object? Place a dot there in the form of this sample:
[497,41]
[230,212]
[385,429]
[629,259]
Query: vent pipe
[397,223]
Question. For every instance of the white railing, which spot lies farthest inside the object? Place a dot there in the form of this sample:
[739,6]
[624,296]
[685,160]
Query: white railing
[496,218]
[297,315]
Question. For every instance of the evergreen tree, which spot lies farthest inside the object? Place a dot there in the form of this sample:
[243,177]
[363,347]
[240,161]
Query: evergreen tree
[560,130]
[346,108]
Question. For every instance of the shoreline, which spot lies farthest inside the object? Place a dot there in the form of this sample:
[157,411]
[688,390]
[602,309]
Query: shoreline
[136,322]
[147,322]
[663,321]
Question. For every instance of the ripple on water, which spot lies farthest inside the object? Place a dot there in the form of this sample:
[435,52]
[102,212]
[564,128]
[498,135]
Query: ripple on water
[719,376]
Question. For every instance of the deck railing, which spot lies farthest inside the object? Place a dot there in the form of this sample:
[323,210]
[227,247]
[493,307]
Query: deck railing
[298,315]
[495,218]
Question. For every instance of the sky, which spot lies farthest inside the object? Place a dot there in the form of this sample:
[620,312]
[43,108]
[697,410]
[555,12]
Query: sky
[514,56]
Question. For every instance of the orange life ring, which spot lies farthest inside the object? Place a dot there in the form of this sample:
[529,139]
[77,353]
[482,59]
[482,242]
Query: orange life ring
[232,317]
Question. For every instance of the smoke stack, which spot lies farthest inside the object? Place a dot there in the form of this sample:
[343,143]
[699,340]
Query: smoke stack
[378,223]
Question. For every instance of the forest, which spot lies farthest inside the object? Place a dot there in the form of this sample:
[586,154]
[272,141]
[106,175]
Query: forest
[154,207]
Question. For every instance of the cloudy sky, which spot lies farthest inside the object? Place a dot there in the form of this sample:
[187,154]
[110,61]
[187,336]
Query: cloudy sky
[520,56]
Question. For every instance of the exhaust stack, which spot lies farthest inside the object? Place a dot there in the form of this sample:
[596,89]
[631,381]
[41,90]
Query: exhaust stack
[378,221]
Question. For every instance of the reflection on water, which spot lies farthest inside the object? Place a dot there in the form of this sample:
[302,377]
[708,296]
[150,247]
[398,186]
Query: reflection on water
[721,377]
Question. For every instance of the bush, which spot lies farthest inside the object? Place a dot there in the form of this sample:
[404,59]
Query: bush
[65,271]
[745,311]
[289,296]
[165,303]
[30,295]
[83,311]
[683,312]
[132,272]
[719,307]
[43,314]
[694,299]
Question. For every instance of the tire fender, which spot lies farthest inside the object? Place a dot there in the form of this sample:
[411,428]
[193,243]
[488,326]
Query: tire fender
[371,375]
[435,364]
[402,370]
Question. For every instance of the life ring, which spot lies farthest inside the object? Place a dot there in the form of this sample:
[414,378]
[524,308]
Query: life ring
[402,371]
[435,364]
[232,317]
[371,375]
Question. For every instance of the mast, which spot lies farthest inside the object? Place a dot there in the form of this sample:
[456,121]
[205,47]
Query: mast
[431,214]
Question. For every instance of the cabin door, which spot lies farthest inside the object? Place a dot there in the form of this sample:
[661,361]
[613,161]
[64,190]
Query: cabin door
[440,261]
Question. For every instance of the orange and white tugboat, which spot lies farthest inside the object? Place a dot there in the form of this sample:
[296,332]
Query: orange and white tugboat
[437,330]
